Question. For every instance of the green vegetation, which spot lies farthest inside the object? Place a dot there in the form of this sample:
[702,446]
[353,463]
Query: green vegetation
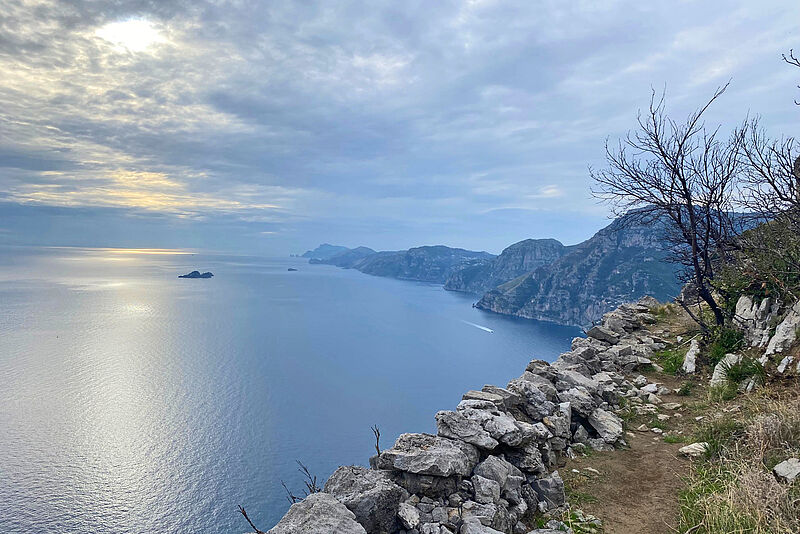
[746,368]
[686,389]
[733,490]
[670,359]
[719,434]
[578,498]
[675,438]
[725,340]
[723,393]
[767,265]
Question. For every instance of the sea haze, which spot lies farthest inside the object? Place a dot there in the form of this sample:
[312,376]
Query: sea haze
[133,401]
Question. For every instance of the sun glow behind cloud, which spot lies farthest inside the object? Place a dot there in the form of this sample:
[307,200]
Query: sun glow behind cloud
[134,35]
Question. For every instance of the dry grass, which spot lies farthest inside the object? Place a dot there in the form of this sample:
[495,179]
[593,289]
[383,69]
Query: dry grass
[735,491]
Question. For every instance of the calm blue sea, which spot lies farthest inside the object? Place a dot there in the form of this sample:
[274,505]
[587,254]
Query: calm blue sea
[135,402]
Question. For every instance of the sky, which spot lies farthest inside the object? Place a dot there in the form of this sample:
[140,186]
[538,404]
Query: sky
[275,126]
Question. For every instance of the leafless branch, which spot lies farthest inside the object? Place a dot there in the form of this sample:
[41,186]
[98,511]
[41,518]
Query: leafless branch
[792,60]
[310,483]
[377,433]
[242,511]
[680,176]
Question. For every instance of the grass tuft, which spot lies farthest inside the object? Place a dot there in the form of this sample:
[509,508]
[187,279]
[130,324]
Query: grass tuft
[734,491]
[670,359]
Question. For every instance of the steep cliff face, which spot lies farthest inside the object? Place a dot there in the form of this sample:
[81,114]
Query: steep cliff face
[347,258]
[324,251]
[620,263]
[427,264]
[516,260]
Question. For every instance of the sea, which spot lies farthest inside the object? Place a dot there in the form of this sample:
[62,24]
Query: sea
[132,401]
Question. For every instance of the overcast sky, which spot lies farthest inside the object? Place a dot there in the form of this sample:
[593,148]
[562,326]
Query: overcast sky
[278,125]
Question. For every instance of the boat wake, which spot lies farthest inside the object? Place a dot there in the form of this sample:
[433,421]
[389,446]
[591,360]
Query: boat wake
[478,326]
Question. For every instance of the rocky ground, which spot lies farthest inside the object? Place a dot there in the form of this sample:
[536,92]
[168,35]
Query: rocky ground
[602,432]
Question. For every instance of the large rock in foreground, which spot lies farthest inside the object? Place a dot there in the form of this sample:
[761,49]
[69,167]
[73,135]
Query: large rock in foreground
[424,454]
[319,513]
[371,495]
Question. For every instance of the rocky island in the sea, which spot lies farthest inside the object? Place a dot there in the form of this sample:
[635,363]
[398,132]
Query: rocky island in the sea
[196,274]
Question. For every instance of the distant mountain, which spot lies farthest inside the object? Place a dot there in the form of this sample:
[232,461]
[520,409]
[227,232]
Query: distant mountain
[347,258]
[324,251]
[426,264]
[514,261]
[620,263]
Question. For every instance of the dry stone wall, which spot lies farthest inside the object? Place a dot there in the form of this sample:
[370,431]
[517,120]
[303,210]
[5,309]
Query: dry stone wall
[492,465]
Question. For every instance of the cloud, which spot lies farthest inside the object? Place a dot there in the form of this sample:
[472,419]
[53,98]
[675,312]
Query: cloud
[327,117]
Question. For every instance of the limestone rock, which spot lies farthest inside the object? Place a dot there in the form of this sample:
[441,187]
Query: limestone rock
[455,425]
[473,526]
[550,490]
[408,516]
[482,513]
[608,425]
[788,470]
[690,360]
[786,332]
[603,334]
[754,319]
[720,375]
[506,475]
[579,399]
[785,363]
[370,494]
[535,403]
[486,490]
[319,513]
[694,450]
[484,395]
[424,454]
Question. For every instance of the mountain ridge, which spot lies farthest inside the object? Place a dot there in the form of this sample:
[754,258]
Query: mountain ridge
[539,279]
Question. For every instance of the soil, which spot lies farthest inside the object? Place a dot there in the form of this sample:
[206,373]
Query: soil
[637,489]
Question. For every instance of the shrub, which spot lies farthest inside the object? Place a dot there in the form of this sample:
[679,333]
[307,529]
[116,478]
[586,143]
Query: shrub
[724,341]
[720,434]
[744,369]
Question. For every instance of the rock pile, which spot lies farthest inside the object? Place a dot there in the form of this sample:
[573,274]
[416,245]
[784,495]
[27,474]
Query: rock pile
[490,467]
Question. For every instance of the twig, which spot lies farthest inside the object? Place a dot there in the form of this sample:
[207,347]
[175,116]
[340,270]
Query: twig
[241,511]
[311,480]
[377,432]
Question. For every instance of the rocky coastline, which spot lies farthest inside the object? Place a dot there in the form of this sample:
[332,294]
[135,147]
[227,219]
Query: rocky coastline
[493,464]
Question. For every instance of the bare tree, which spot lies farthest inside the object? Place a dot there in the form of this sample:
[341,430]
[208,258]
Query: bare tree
[771,195]
[682,176]
[792,60]
[772,174]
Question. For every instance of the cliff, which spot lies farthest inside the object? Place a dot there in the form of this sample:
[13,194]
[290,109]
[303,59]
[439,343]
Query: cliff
[516,260]
[618,264]
[425,264]
[324,251]
[346,258]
